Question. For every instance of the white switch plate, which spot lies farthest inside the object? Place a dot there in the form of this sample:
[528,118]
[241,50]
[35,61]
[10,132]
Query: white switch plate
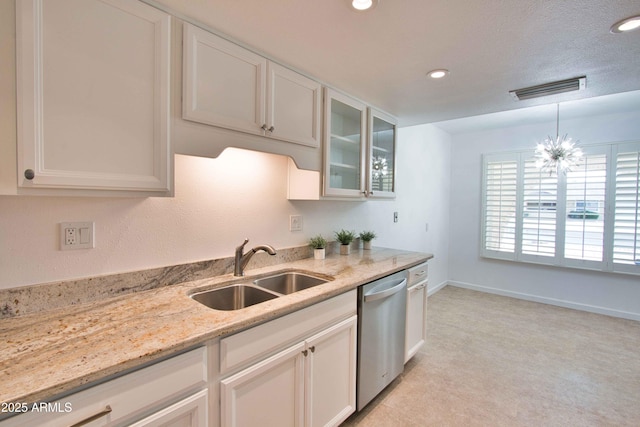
[77,235]
[295,222]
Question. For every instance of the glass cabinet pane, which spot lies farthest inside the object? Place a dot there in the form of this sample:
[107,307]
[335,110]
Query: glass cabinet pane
[344,167]
[382,155]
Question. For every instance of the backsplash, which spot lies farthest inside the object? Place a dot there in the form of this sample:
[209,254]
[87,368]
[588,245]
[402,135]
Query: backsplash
[48,296]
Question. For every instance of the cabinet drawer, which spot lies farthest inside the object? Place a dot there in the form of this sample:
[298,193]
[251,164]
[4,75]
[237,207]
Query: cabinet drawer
[129,397]
[418,273]
[244,347]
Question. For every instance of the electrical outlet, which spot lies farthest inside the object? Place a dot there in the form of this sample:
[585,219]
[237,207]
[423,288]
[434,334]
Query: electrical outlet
[295,222]
[77,235]
[395,217]
[69,236]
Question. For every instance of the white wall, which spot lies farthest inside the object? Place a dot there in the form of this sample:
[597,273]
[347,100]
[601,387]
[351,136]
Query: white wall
[601,292]
[218,202]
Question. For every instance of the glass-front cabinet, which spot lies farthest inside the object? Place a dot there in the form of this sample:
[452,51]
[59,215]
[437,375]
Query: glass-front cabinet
[344,148]
[381,165]
[359,149]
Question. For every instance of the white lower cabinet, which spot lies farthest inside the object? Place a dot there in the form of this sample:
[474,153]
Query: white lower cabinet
[416,326]
[330,385]
[169,393]
[189,412]
[310,380]
[269,393]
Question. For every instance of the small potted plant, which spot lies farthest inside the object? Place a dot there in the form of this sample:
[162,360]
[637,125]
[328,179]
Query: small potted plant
[318,243]
[345,238]
[367,237]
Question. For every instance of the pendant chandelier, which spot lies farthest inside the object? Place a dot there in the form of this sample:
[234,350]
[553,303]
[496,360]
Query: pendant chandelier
[559,154]
[379,167]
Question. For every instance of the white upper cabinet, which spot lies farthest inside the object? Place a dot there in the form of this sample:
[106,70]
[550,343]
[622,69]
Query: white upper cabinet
[381,165]
[294,101]
[224,84]
[93,96]
[344,146]
[231,87]
[359,151]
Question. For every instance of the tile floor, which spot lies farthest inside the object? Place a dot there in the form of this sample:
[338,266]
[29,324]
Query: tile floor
[497,361]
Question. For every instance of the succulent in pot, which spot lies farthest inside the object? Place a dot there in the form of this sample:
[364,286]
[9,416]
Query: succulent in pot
[345,238]
[367,237]
[318,243]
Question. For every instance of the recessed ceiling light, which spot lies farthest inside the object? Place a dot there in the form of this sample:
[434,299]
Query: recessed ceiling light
[362,5]
[438,74]
[625,25]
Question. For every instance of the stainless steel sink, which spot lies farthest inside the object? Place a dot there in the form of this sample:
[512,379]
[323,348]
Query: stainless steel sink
[233,297]
[242,295]
[289,282]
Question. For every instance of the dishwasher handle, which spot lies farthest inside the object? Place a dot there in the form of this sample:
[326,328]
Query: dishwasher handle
[386,293]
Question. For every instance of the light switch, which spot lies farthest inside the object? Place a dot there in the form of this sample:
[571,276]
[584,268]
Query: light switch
[85,236]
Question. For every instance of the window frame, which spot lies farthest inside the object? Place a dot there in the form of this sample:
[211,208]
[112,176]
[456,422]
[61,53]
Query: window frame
[607,264]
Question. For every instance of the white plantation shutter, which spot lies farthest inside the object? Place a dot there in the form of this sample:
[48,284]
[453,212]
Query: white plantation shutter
[539,211]
[626,236]
[585,206]
[499,205]
[586,218]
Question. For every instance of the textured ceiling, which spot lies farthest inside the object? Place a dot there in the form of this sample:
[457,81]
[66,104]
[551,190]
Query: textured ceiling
[489,46]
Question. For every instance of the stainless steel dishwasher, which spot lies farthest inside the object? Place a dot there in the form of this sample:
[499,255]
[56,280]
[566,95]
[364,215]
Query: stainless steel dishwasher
[382,306]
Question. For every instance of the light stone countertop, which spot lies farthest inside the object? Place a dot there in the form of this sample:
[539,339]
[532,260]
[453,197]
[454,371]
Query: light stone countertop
[49,354]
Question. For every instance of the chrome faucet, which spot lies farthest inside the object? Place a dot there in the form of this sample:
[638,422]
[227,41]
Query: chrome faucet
[242,260]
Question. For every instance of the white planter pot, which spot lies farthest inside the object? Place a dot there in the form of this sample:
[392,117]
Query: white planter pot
[366,245]
[345,249]
[318,253]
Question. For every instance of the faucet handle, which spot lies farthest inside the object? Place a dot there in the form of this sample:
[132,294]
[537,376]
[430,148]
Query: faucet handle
[241,247]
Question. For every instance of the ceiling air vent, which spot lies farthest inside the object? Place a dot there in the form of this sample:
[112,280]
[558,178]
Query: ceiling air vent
[553,88]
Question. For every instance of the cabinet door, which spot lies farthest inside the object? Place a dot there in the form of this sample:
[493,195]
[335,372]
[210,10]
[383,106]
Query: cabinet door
[269,393]
[344,150]
[331,374]
[190,412]
[293,109]
[224,84]
[381,165]
[93,95]
[416,332]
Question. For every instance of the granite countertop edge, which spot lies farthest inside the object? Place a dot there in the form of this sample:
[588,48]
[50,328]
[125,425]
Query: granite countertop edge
[67,349]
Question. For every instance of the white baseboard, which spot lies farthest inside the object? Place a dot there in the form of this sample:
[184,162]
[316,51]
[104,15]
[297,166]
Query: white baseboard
[431,291]
[544,300]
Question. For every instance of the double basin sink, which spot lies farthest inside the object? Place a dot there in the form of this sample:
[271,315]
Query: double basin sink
[242,295]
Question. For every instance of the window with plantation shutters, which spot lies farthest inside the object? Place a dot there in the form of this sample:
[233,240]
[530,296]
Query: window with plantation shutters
[626,236]
[586,218]
[585,203]
[499,205]
[539,211]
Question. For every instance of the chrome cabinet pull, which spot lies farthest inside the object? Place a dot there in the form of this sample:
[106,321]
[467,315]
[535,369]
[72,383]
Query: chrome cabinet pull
[29,174]
[107,410]
[264,127]
[421,273]
[312,348]
[271,129]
